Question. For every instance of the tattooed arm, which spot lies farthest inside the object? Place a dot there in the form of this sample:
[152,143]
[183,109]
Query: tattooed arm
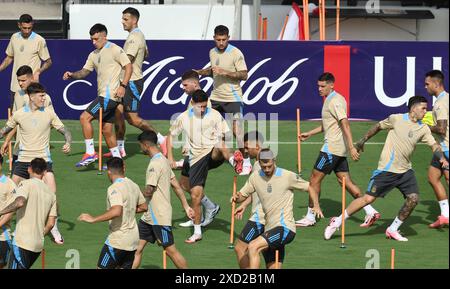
[80,74]
[67,137]
[440,127]
[372,131]
[205,72]
[18,203]
[4,131]
[149,191]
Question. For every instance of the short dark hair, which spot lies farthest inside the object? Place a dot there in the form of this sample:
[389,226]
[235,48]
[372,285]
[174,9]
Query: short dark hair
[25,18]
[148,137]
[132,11]
[254,136]
[190,74]
[221,30]
[35,87]
[24,70]
[199,96]
[115,165]
[327,76]
[38,166]
[415,100]
[98,28]
[436,74]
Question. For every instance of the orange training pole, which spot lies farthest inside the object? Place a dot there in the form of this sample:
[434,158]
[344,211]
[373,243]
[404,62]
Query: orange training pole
[320,20]
[323,19]
[338,11]
[259,26]
[277,258]
[43,258]
[343,214]
[284,26]
[392,258]
[10,146]
[299,155]
[233,205]
[100,141]
[265,28]
[306,18]
[164,259]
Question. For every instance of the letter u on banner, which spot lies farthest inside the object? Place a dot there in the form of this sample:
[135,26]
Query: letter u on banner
[336,59]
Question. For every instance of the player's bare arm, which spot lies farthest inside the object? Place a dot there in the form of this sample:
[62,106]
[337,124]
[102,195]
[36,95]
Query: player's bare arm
[239,212]
[68,138]
[80,74]
[437,151]
[141,208]
[314,195]
[204,72]
[234,75]
[113,212]
[50,224]
[170,151]
[345,126]
[18,203]
[8,138]
[307,135]
[370,133]
[126,78]
[4,131]
[440,127]
[180,194]
[238,197]
[149,191]
[130,57]
[46,65]
[6,218]
[6,62]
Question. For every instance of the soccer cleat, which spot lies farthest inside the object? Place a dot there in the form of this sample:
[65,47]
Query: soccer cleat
[246,170]
[87,159]
[238,161]
[330,229]
[395,235]
[57,237]
[440,222]
[187,224]
[305,222]
[209,215]
[192,239]
[109,154]
[369,220]
[163,146]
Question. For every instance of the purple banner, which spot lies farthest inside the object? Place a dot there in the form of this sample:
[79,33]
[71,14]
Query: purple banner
[282,76]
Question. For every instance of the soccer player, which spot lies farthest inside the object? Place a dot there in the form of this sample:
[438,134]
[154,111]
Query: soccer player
[34,123]
[190,82]
[136,50]
[274,186]
[395,168]
[228,69]
[434,84]
[21,99]
[338,143]
[156,223]
[26,48]
[107,59]
[124,200]
[35,204]
[253,142]
[7,187]
[205,130]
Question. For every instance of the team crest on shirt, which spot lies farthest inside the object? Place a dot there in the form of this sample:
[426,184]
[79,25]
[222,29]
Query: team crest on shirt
[269,188]
[22,48]
[410,134]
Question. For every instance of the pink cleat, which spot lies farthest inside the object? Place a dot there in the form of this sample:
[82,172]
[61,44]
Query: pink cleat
[440,222]
[163,146]
[369,220]
[305,222]
[87,159]
[109,154]
[330,229]
[395,235]
[238,162]
[192,239]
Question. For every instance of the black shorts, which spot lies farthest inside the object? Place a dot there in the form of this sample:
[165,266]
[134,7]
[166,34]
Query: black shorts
[11,99]
[235,108]
[199,171]
[108,113]
[326,163]
[382,183]
[21,258]
[251,231]
[4,252]
[133,93]
[21,169]
[153,233]
[435,162]
[111,258]
[278,237]
[14,158]
[270,255]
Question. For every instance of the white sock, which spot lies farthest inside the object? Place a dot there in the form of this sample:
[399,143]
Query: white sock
[395,225]
[89,146]
[161,138]
[115,152]
[444,207]
[231,161]
[369,210]
[121,144]
[208,203]
[198,229]
[55,227]
[310,215]
[338,220]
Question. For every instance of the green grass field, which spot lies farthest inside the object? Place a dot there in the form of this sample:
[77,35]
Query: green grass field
[82,190]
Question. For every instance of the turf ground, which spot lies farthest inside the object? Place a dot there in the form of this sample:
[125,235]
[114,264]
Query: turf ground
[82,190]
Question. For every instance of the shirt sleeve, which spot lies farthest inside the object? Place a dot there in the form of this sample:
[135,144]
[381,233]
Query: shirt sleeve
[53,212]
[12,121]
[387,123]
[153,174]
[338,109]
[141,199]
[89,65]
[131,46]
[224,126]
[428,137]
[10,49]
[115,197]
[56,122]
[441,112]
[43,52]
[121,57]
[248,188]
[21,191]
[239,61]
[297,183]
[177,126]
